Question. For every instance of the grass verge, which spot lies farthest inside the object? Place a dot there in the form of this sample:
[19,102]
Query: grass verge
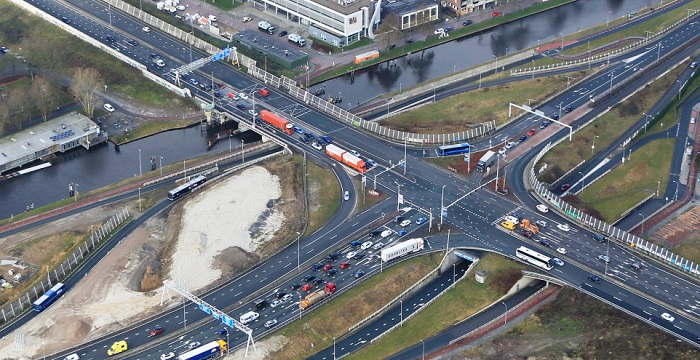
[467,298]
[351,307]
[150,128]
[324,196]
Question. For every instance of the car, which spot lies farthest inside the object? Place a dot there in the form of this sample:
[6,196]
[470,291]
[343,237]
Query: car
[282,33]
[194,82]
[541,223]
[693,65]
[218,94]
[241,106]
[270,323]
[439,31]
[401,232]
[275,303]
[448,28]
[109,107]
[405,223]
[110,38]
[374,233]
[202,86]
[344,265]
[294,287]
[146,29]
[185,76]
[327,139]
[246,19]
[512,219]
[76,357]
[212,18]
[366,245]
[287,297]
[180,7]
[193,344]
[359,256]
[421,220]
[298,130]
[378,246]
[545,242]
[409,41]
[253,112]
[316,267]
[318,281]
[502,151]
[167,356]
[527,233]
[304,140]
[561,250]
[354,152]
[66,20]
[359,274]
[496,13]
[260,304]
[511,144]
[331,272]
[372,163]
[508,225]
[308,278]
[604,258]
[532,132]
[542,208]
[563,227]
[132,42]
[4,50]
[668,317]
[387,233]
[522,138]
[351,255]
[356,243]
[635,266]
[243,96]
[206,87]
[568,109]
[160,63]
[565,187]
[555,116]
[335,255]
[307,287]
[600,238]
[558,261]
[544,124]
[398,219]
[466,23]
[157,330]
[280,295]
[327,267]
[594,278]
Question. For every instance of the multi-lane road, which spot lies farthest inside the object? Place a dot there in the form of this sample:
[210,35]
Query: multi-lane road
[476,212]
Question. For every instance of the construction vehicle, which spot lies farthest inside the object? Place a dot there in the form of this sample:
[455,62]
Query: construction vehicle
[526,225]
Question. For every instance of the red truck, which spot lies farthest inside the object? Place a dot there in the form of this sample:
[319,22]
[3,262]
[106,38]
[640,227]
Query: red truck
[277,121]
[317,296]
[346,158]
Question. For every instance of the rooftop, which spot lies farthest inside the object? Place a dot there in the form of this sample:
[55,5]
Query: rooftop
[401,7]
[345,7]
[271,44]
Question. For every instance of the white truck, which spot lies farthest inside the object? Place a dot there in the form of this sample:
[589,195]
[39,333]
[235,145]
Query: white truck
[266,27]
[486,161]
[296,39]
[401,249]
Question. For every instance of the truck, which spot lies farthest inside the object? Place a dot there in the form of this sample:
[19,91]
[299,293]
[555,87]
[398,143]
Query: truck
[317,296]
[346,158]
[296,39]
[525,224]
[266,27]
[277,121]
[402,248]
[117,347]
[205,351]
[486,161]
[249,317]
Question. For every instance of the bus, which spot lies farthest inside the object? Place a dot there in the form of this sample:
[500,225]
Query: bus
[185,188]
[534,258]
[456,149]
[47,299]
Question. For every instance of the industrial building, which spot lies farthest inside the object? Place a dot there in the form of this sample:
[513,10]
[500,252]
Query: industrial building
[269,48]
[41,141]
[406,14]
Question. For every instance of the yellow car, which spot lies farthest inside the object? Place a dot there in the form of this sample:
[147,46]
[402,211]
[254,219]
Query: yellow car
[508,225]
[117,347]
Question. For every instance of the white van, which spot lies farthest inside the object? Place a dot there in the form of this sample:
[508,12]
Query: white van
[249,317]
[212,18]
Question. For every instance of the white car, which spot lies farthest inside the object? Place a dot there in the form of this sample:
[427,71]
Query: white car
[558,261]
[109,107]
[668,317]
[439,31]
[405,223]
[246,19]
[366,245]
[346,195]
[167,356]
[511,144]
[212,18]
[287,297]
[243,96]
[561,250]
[146,29]
[193,344]
[542,208]
[563,227]
[318,147]
[351,254]
[378,246]
[270,323]
[76,357]
[387,233]
[502,151]
[252,112]
[511,219]
[275,303]
[354,152]
[604,258]
[180,7]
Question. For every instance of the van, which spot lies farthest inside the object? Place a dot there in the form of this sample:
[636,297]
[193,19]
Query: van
[600,238]
[511,219]
[249,317]
[508,225]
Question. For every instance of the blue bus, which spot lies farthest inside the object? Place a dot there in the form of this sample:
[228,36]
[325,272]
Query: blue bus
[455,149]
[47,299]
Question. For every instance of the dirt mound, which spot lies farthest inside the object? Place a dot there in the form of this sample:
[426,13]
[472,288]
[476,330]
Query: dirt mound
[233,261]
[680,229]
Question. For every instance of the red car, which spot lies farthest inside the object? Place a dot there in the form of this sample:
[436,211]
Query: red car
[156,331]
[496,13]
[307,287]
[564,187]
[327,267]
[344,265]
[532,132]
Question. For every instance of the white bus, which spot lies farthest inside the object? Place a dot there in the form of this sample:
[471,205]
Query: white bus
[534,258]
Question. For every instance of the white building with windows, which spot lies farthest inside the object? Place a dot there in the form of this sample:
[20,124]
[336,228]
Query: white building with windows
[337,22]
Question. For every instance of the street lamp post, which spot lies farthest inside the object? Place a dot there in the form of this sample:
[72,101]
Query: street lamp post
[422,342]
[401,323]
[647,121]
[495,71]
[140,163]
[593,146]
[242,152]
[583,181]
[505,322]
[612,77]
[454,275]
[607,24]
[161,166]
[442,203]
[75,193]
[643,219]
[298,248]
[562,41]
[334,348]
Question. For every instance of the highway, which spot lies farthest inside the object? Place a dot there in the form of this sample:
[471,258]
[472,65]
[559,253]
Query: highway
[475,212]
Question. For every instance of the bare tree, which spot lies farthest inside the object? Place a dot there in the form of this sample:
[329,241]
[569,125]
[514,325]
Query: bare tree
[4,115]
[84,86]
[17,109]
[44,94]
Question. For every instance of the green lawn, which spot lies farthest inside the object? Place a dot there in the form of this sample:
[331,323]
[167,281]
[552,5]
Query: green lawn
[149,128]
[457,304]
[628,184]
[323,186]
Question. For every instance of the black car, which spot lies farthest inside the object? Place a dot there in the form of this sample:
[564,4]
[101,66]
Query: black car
[207,87]
[374,233]
[185,76]
[334,256]
[260,304]
[522,138]
[132,42]
[544,124]
[594,278]
[294,287]
[111,39]
[218,94]
[359,274]
[153,56]
[331,272]
[318,281]
[468,22]
[282,33]
[398,219]
[527,233]
[309,135]
[448,28]
[308,278]
[241,106]
[316,267]
[280,295]
[358,256]
[545,242]
[568,109]
[409,41]
[4,50]
[555,116]
[66,20]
